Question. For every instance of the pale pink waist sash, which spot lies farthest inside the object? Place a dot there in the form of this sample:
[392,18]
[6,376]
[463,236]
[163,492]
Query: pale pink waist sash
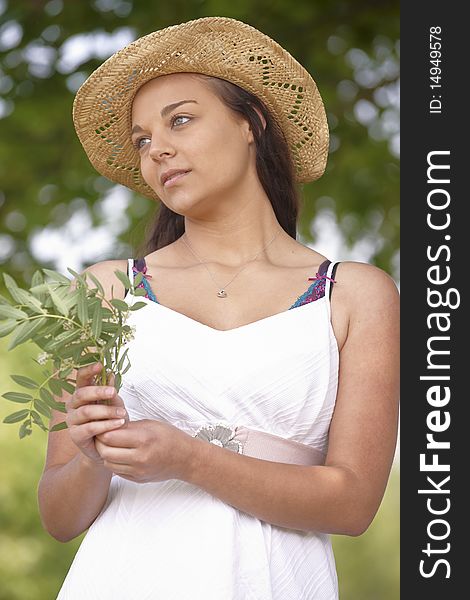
[259,444]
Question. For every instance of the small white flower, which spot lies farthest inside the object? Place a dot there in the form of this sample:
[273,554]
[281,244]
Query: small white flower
[130,335]
[42,358]
[67,362]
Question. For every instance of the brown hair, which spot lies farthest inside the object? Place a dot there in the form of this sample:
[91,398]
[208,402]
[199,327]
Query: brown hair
[274,166]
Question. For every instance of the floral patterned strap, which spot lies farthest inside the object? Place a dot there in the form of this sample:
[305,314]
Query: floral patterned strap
[140,266]
[322,272]
[317,289]
[314,292]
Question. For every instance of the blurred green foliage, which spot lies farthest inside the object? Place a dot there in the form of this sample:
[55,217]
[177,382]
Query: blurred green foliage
[33,564]
[350,48]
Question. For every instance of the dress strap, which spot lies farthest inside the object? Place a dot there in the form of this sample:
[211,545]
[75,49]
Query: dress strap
[130,270]
[330,280]
[132,265]
[130,275]
[140,266]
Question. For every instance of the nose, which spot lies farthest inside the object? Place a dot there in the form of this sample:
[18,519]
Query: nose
[160,148]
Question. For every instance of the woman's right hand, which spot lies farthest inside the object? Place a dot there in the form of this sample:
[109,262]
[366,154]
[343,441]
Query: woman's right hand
[86,417]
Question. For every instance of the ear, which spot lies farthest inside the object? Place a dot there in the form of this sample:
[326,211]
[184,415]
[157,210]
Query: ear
[262,119]
[260,114]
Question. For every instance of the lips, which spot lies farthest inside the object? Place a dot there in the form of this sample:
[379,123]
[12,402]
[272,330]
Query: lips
[171,175]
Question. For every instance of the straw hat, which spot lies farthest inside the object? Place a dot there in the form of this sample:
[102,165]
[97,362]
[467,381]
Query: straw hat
[217,46]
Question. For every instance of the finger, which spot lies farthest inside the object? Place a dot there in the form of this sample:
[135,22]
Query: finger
[96,412]
[93,428]
[122,437]
[86,375]
[117,456]
[93,393]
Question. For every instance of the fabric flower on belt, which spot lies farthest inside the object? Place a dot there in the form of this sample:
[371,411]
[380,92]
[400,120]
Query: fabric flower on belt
[220,435]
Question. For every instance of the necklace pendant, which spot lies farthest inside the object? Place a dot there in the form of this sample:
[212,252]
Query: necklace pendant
[222,294]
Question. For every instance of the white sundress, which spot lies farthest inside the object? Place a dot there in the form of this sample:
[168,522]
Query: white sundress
[172,540]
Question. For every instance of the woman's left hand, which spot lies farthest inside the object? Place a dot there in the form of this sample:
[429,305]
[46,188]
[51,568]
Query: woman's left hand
[147,450]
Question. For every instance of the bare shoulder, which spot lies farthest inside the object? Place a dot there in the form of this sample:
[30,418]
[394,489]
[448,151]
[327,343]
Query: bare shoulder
[365,288]
[104,271]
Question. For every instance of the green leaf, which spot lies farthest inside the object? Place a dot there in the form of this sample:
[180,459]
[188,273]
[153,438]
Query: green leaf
[120,304]
[123,278]
[59,426]
[10,283]
[96,323]
[140,292]
[58,384]
[60,305]
[106,312]
[138,278]
[25,331]
[82,307]
[138,305]
[73,350]
[38,420]
[60,406]
[25,429]
[110,343]
[57,277]
[55,386]
[88,359]
[121,360]
[68,387]
[108,329]
[7,311]
[37,278]
[46,396]
[128,366]
[50,329]
[17,396]
[24,381]
[20,335]
[96,281]
[65,372]
[80,278]
[40,288]
[43,408]
[5,301]
[67,337]
[16,416]
[25,298]
[7,327]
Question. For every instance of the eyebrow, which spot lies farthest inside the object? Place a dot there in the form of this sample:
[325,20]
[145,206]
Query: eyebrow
[164,112]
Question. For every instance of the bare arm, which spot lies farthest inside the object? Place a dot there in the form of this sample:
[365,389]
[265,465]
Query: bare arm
[74,485]
[344,495]
[71,496]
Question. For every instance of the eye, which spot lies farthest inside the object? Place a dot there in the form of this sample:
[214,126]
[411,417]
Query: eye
[144,140]
[176,117]
[139,142]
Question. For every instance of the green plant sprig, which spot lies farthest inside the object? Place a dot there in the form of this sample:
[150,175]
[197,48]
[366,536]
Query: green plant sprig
[73,328]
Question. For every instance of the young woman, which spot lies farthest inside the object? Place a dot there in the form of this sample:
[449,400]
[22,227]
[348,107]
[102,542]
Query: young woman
[260,411]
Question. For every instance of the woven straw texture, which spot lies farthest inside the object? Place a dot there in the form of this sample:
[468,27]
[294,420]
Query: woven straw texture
[217,46]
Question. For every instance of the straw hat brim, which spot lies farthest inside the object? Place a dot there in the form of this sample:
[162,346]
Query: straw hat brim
[217,46]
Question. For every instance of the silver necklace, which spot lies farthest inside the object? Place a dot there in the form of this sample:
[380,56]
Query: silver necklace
[222,291]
